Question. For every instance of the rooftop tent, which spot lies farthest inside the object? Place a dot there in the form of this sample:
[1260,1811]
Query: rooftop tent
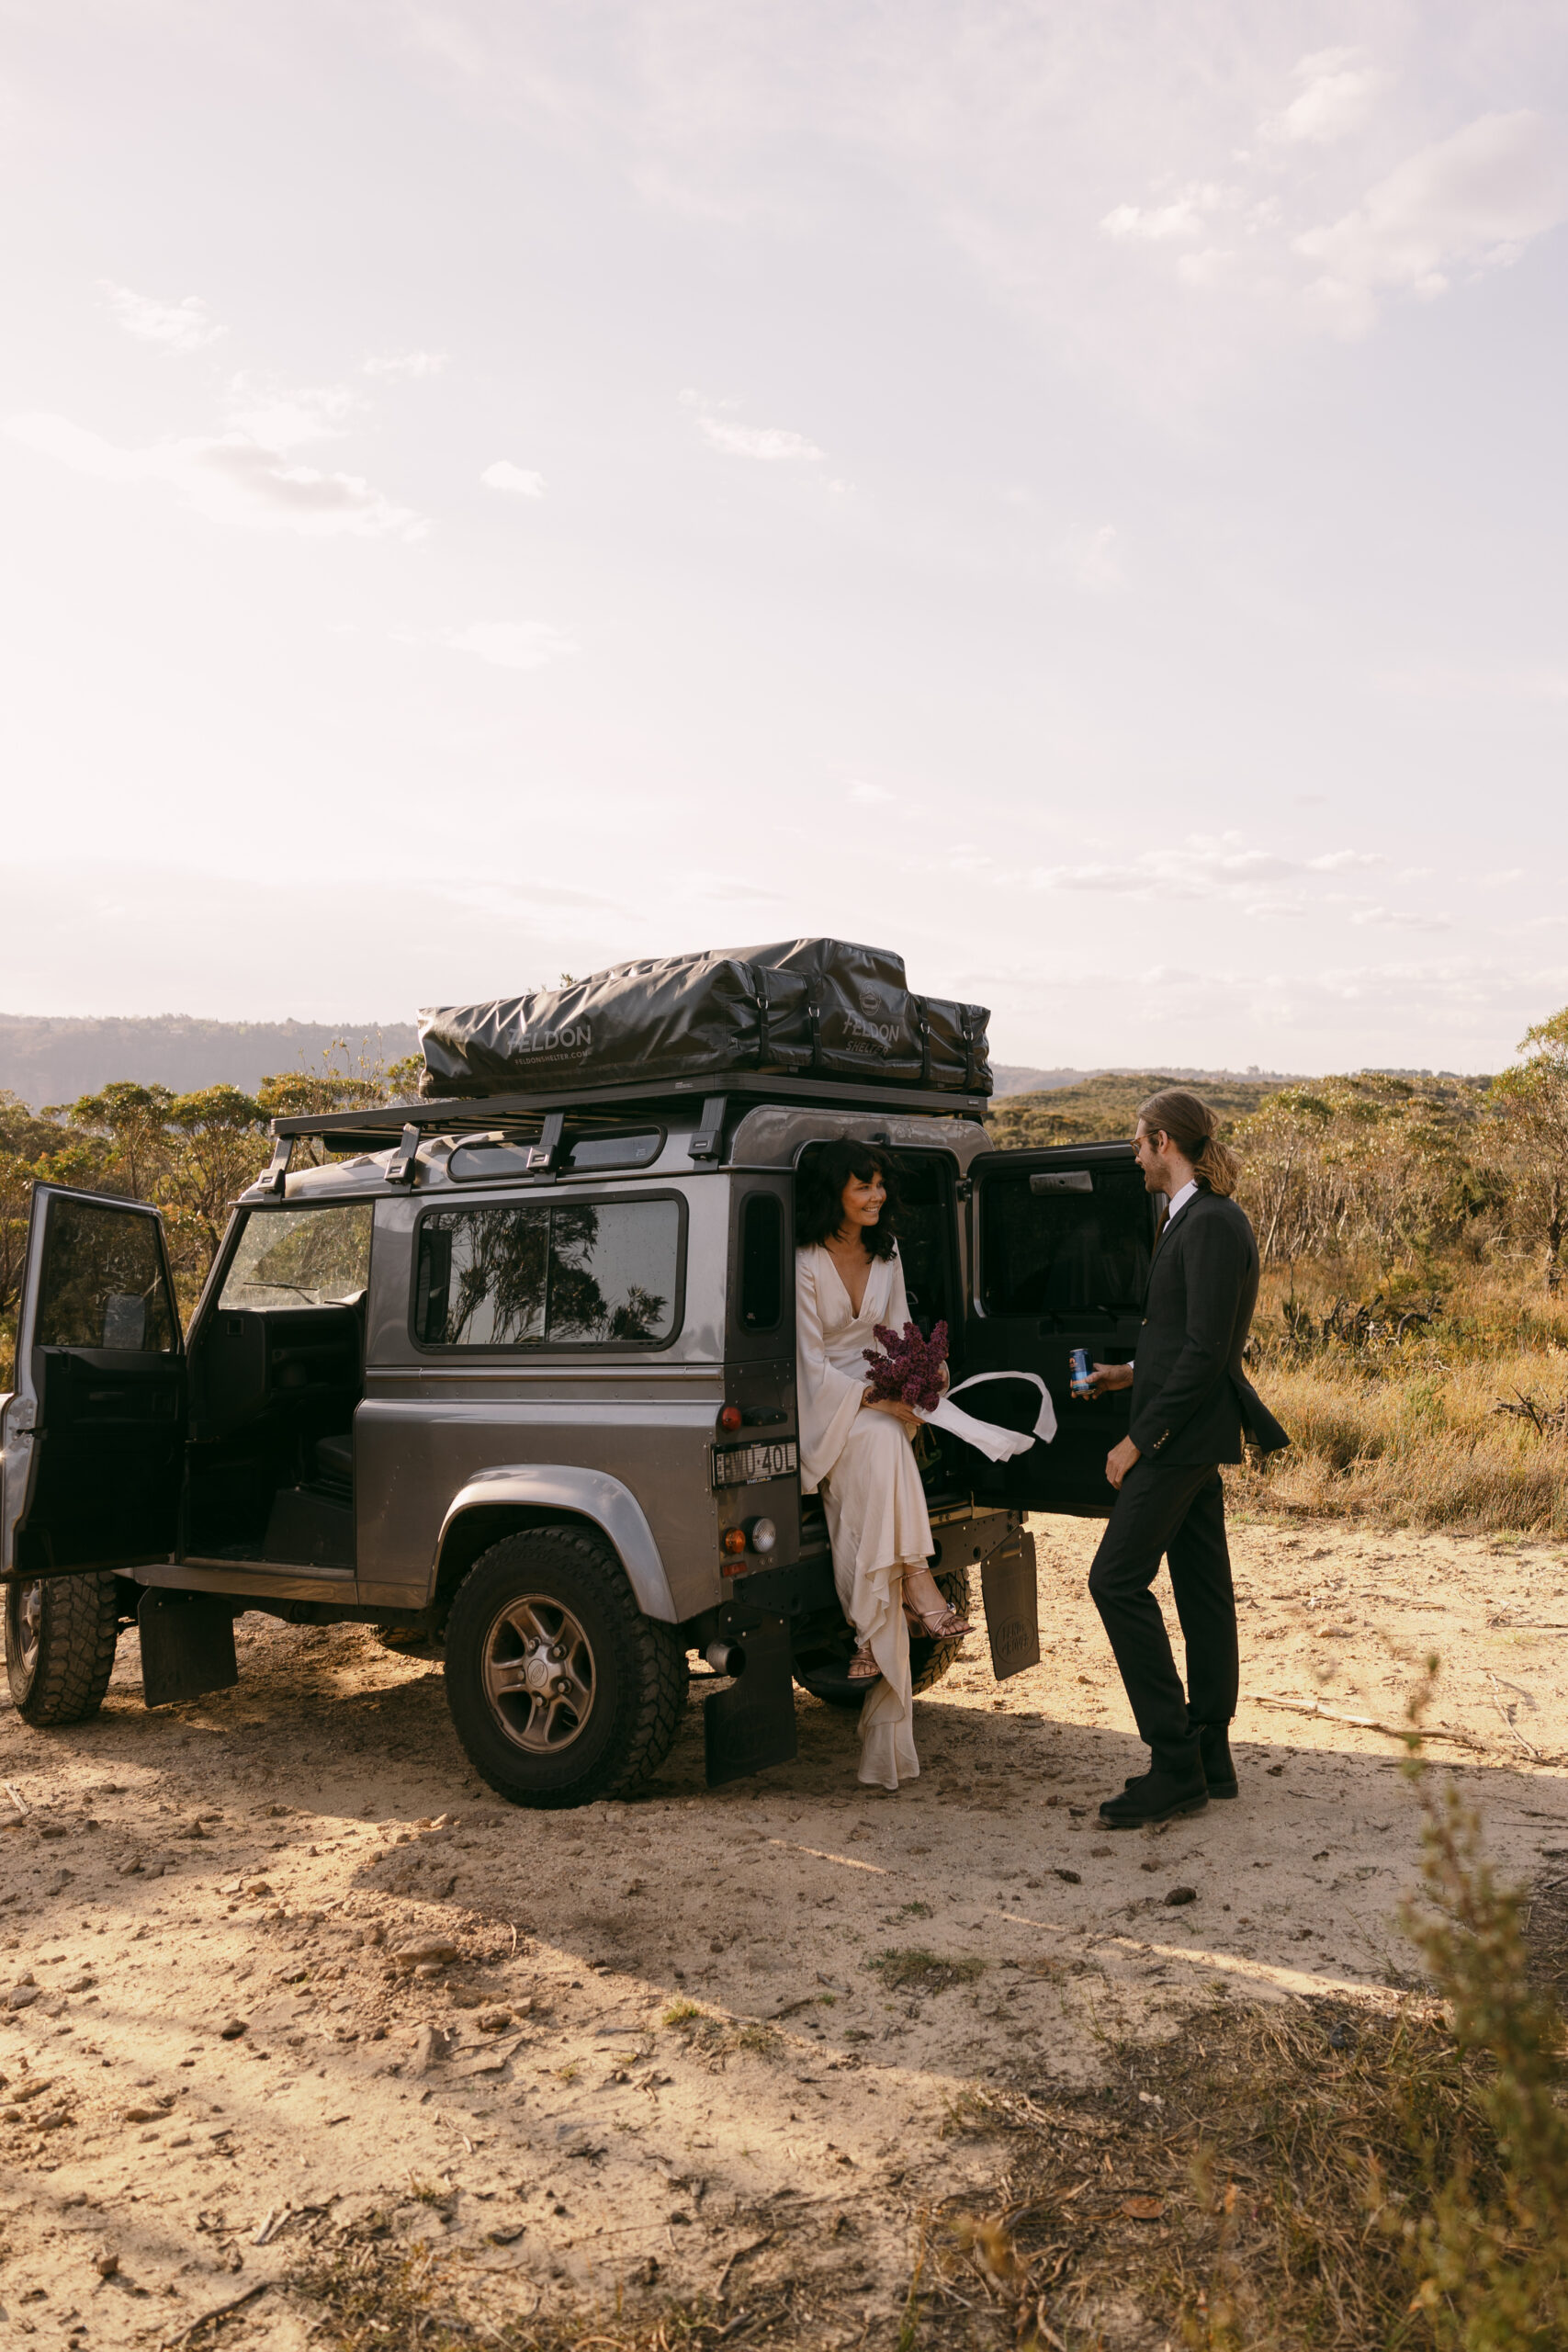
[821,1008]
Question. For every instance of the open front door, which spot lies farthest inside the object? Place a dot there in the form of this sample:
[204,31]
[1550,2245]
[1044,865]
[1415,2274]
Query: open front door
[93,1437]
[1060,1243]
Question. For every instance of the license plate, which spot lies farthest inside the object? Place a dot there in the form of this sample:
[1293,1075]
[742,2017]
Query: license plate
[747,1466]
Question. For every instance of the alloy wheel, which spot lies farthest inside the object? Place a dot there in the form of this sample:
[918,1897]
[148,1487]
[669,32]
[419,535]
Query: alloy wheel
[538,1674]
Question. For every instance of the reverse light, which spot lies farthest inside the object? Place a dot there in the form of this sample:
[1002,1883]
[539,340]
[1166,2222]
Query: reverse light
[764,1536]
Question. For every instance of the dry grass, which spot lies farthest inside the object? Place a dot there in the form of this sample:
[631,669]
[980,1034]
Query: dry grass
[1402,1390]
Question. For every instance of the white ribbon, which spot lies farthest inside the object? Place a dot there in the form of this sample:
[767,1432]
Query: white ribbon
[996,1445]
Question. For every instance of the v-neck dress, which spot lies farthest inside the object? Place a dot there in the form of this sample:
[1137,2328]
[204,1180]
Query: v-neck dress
[863,1466]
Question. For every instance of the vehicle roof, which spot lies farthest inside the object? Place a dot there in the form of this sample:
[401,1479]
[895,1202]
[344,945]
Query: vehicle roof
[766,1133]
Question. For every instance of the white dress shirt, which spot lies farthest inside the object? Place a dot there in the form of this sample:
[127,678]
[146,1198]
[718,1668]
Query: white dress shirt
[1178,1200]
[1176,1203]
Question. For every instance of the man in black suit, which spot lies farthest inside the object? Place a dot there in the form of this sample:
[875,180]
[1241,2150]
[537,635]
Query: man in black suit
[1191,1401]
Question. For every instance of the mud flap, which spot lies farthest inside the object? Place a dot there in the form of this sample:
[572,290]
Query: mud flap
[187,1646]
[1012,1604]
[752,1725]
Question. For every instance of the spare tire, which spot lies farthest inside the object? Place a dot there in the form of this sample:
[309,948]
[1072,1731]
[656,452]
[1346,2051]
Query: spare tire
[823,1668]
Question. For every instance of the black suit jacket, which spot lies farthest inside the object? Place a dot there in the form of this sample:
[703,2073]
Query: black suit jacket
[1190,1397]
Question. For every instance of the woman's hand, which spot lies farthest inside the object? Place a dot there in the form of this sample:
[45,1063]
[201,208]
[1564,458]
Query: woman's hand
[901,1412]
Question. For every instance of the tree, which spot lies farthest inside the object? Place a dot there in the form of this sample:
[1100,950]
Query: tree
[1531,1099]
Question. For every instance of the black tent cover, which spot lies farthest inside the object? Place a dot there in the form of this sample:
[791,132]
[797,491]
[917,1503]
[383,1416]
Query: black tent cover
[819,1008]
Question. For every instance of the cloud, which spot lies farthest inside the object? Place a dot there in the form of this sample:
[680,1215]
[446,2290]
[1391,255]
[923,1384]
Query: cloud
[871,795]
[178,326]
[1401,919]
[1184,216]
[504,475]
[406,362]
[282,418]
[229,478]
[511,645]
[1204,869]
[771,444]
[1339,85]
[1473,201]
[1097,567]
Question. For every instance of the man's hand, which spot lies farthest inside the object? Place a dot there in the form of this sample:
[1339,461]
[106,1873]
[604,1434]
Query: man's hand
[1105,1377]
[1120,1460]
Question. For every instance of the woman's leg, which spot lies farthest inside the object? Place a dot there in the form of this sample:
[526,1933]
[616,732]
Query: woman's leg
[923,1597]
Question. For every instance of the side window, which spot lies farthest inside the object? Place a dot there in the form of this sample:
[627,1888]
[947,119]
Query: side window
[301,1257]
[102,1282]
[762,1261]
[1047,1250]
[565,1274]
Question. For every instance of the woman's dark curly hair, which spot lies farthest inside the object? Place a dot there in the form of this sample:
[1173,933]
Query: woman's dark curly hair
[820,1196]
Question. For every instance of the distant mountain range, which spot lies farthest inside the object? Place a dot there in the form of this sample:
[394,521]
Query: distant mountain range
[48,1060]
[1011,1078]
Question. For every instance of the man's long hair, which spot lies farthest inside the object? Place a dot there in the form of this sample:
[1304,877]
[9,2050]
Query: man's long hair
[1195,1131]
[820,1196]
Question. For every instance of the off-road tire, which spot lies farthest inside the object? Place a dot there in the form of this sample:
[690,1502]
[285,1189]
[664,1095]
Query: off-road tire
[639,1682]
[60,1644]
[929,1661]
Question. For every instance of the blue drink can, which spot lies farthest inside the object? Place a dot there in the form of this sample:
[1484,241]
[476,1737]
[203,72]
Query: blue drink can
[1081,1374]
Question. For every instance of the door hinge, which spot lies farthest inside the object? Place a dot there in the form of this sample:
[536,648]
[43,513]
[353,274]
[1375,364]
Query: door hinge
[965,1187]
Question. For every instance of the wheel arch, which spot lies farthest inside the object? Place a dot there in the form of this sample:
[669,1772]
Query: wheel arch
[507,1500]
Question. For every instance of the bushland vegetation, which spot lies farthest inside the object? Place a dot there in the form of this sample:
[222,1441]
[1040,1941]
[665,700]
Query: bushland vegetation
[1412,1328]
[187,1154]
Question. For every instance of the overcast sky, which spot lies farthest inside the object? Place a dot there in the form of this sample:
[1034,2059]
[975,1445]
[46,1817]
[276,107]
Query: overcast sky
[1072,491]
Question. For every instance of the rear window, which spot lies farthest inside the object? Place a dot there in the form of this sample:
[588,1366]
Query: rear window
[558,1274]
[1050,1252]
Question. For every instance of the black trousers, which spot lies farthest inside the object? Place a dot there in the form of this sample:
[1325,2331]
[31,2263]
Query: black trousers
[1169,1510]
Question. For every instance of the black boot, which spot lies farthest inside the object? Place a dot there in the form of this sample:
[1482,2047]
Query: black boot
[1172,1786]
[1219,1769]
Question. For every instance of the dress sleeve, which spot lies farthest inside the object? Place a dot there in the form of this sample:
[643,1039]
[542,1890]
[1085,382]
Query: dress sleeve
[827,1398]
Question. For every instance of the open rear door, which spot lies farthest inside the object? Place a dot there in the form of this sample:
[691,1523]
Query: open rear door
[1060,1244]
[92,1444]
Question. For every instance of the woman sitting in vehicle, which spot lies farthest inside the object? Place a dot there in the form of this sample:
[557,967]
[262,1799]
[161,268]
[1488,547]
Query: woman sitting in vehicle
[858,1452]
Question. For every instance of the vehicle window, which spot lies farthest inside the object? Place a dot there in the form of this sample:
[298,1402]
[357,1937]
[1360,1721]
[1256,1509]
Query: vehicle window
[762,1263]
[570,1274]
[301,1257]
[617,1151]
[477,1163]
[101,1284]
[1046,1253]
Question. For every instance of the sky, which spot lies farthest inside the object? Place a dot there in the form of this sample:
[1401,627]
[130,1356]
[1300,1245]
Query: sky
[1070,490]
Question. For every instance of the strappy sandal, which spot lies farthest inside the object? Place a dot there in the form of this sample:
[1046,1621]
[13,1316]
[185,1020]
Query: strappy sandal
[864,1667]
[943,1624]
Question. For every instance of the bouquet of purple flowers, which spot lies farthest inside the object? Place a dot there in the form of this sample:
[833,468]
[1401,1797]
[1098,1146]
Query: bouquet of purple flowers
[909,1371]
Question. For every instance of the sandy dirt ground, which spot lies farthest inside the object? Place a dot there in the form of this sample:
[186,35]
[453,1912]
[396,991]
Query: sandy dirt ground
[694,2045]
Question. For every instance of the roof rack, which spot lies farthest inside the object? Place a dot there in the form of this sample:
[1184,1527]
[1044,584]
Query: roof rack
[464,1115]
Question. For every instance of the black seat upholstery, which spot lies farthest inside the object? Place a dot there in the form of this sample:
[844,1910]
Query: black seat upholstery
[334,1460]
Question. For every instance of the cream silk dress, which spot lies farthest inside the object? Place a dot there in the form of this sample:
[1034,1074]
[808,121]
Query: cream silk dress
[863,1464]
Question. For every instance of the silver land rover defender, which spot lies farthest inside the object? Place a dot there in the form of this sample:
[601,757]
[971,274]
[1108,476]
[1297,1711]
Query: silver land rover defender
[520,1372]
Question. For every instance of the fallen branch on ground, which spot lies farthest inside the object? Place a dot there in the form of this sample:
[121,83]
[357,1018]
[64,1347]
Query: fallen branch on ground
[1367,1722]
